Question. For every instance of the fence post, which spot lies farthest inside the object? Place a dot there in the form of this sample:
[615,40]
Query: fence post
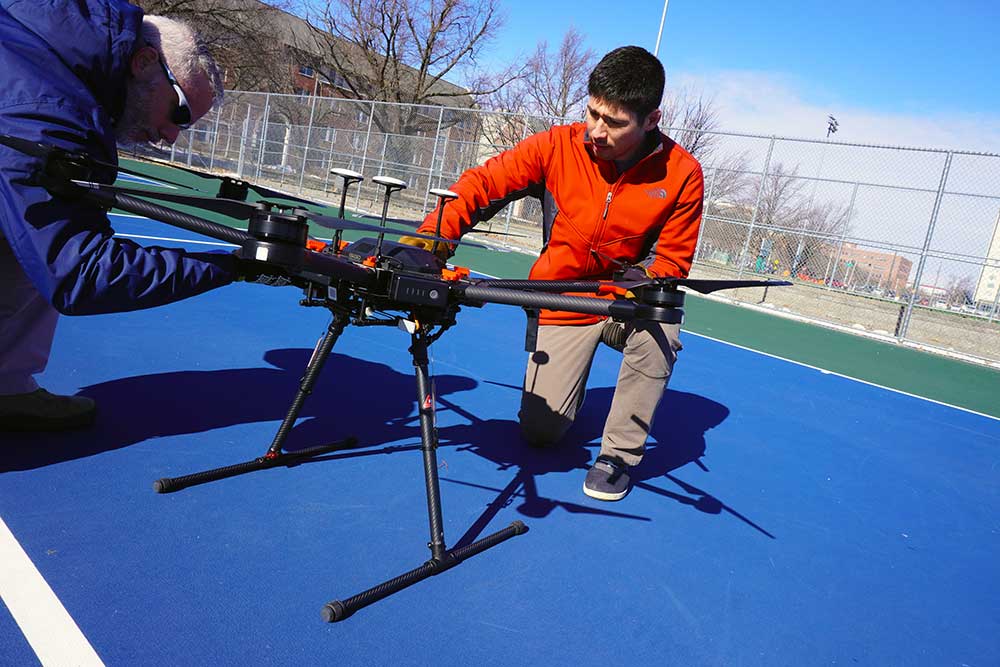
[215,139]
[444,155]
[510,206]
[243,143]
[927,244]
[263,142]
[756,207]
[430,168]
[364,154]
[996,300]
[708,199]
[305,151]
[829,276]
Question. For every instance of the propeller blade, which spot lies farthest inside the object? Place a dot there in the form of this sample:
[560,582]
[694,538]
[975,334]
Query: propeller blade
[416,223]
[707,286]
[229,207]
[268,192]
[157,177]
[259,189]
[342,224]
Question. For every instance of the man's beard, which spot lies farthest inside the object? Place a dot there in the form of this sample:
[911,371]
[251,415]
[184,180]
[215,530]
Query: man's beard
[133,127]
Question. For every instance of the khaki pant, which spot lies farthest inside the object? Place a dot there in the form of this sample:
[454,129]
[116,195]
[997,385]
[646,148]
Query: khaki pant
[555,384]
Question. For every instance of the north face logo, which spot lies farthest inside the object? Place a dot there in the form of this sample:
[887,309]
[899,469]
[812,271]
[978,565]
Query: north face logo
[656,193]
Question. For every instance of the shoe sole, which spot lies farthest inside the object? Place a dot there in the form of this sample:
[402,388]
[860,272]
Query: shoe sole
[601,495]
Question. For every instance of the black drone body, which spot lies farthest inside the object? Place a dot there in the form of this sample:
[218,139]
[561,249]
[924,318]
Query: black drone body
[370,281]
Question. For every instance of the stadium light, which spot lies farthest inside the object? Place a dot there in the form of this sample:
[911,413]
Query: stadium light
[831,126]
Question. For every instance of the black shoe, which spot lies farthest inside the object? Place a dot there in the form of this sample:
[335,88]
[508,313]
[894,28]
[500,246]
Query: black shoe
[41,411]
[607,479]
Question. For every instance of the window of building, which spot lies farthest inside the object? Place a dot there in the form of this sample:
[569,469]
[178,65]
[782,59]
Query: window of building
[306,70]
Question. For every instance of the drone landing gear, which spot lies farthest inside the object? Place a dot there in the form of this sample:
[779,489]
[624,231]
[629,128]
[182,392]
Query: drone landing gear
[442,558]
[275,455]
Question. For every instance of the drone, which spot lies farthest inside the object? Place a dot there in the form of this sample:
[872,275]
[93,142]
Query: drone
[371,281]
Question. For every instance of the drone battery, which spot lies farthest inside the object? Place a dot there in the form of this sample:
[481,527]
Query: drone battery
[395,256]
[417,290]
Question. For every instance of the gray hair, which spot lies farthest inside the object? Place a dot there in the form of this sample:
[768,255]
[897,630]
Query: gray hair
[184,50]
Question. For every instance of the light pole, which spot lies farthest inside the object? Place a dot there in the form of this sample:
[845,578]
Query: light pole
[656,49]
[831,126]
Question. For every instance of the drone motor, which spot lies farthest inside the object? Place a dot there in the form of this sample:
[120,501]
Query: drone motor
[279,236]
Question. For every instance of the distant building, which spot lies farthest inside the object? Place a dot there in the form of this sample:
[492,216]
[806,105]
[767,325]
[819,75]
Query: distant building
[989,279]
[887,270]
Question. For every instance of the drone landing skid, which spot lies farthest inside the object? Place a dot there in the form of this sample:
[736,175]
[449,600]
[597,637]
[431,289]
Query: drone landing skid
[442,558]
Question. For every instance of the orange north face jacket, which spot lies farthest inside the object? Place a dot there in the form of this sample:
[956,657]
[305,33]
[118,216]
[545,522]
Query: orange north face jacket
[592,216]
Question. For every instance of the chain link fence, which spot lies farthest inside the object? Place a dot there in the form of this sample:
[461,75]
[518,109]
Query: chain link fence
[901,243]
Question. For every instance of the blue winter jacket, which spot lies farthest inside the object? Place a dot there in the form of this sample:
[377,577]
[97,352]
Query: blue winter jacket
[63,69]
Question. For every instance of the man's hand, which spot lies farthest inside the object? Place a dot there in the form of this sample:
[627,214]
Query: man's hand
[439,248]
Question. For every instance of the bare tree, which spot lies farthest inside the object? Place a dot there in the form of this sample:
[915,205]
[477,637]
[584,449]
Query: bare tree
[508,123]
[691,120]
[960,290]
[241,35]
[555,84]
[402,51]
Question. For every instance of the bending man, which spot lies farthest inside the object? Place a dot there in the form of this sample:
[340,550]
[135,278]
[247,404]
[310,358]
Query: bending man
[86,76]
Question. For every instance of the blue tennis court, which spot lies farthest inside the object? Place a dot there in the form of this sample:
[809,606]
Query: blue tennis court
[783,515]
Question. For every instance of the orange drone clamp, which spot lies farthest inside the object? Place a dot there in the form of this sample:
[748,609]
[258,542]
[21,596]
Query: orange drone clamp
[455,274]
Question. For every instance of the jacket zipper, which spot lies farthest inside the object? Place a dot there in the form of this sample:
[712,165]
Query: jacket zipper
[607,205]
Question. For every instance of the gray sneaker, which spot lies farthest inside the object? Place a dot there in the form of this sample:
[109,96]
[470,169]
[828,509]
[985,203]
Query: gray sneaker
[607,479]
[41,411]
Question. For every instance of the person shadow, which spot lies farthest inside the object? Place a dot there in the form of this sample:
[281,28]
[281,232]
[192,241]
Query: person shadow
[139,408]
[677,438]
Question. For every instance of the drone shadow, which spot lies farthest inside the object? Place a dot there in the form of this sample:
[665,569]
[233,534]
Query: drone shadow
[677,439]
[139,408]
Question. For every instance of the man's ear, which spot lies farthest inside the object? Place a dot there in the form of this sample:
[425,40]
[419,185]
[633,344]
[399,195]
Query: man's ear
[652,120]
[143,62]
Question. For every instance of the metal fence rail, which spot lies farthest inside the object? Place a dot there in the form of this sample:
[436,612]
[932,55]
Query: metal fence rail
[897,242]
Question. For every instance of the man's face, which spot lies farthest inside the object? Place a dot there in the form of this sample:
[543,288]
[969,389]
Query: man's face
[151,101]
[616,134]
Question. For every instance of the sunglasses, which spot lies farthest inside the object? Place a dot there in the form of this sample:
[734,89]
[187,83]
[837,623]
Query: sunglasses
[181,115]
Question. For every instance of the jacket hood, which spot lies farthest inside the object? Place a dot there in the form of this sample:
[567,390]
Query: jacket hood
[93,39]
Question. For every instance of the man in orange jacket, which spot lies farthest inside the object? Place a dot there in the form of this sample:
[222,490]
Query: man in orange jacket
[615,191]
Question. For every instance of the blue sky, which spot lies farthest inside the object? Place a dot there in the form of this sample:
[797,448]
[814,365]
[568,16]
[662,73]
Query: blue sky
[901,73]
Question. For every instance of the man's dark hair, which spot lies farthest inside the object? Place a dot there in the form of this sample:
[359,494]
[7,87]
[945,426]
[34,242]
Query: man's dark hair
[630,77]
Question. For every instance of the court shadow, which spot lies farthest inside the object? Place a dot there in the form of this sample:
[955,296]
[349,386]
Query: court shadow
[351,397]
[677,438]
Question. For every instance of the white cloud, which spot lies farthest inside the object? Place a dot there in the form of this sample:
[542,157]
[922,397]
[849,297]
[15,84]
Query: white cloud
[769,103]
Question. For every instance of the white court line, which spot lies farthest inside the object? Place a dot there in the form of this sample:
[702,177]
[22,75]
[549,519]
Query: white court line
[841,375]
[48,627]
